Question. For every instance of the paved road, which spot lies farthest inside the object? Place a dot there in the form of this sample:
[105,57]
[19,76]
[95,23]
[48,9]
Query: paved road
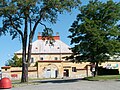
[72,85]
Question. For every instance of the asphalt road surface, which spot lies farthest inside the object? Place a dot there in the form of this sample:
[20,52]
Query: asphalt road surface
[71,85]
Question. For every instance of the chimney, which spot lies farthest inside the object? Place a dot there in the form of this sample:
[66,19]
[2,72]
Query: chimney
[57,37]
[39,36]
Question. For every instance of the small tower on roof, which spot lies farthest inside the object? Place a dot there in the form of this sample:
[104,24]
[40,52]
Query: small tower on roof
[57,37]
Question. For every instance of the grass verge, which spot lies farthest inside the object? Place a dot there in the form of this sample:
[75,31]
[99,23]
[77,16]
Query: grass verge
[103,77]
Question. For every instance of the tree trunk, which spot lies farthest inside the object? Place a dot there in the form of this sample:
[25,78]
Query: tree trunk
[24,77]
[24,73]
[29,48]
[96,68]
[24,67]
[24,46]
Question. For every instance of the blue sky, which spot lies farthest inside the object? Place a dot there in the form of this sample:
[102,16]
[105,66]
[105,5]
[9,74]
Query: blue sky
[9,46]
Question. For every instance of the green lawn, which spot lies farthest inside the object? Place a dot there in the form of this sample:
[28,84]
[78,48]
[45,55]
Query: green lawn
[104,77]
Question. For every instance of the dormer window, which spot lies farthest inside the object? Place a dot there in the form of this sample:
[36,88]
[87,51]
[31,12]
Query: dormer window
[41,58]
[32,60]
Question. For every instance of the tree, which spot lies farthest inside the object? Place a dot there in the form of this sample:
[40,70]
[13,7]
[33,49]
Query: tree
[14,62]
[21,18]
[95,32]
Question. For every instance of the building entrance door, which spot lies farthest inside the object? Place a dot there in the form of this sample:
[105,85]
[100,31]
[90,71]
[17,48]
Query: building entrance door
[66,72]
[50,71]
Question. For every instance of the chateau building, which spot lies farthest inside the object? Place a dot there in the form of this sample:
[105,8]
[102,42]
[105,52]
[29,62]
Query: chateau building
[43,50]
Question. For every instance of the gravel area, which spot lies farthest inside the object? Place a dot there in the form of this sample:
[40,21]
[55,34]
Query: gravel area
[70,84]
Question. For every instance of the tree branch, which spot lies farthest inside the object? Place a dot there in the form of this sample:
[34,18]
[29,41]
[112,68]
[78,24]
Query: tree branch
[42,12]
[12,24]
[43,24]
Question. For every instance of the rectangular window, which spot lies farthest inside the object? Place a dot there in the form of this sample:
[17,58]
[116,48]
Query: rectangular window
[74,69]
[48,70]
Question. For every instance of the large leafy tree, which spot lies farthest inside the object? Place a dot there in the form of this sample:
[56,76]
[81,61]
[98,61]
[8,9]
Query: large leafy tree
[21,18]
[14,62]
[95,32]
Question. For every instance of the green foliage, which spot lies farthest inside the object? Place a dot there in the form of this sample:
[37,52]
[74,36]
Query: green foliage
[14,62]
[15,12]
[96,32]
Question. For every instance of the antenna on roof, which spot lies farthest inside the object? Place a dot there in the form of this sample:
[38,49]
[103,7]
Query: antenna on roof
[57,33]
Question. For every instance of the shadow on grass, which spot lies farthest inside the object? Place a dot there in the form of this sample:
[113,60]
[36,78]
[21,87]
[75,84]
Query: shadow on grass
[117,80]
[58,81]
[89,79]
